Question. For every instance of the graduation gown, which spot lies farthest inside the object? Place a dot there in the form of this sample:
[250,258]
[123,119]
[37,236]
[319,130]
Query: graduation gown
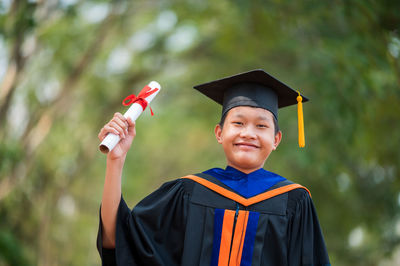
[197,220]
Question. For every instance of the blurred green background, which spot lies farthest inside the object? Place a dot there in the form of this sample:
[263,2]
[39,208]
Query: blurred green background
[66,65]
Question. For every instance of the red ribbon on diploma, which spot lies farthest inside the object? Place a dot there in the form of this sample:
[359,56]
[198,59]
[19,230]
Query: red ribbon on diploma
[141,98]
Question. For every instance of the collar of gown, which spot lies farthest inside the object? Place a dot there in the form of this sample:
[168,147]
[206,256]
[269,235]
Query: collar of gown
[247,185]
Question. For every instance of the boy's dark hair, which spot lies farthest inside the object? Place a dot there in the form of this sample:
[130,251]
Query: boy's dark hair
[222,121]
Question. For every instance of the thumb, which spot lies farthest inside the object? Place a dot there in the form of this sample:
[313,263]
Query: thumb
[131,128]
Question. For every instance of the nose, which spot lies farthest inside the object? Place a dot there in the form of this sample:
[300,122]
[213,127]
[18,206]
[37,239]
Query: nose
[247,132]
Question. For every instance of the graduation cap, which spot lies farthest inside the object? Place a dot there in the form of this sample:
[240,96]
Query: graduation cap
[255,88]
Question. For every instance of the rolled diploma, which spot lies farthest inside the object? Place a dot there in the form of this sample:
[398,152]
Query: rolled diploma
[134,111]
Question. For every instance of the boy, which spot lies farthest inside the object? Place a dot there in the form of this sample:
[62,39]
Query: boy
[243,215]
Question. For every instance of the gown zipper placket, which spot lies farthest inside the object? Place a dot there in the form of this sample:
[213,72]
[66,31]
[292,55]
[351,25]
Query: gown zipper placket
[233,229]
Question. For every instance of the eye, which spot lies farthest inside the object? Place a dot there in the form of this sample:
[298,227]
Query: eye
[262,126]
[237,123]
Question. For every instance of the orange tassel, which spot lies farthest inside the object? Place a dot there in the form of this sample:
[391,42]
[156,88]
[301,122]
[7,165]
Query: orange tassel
[302,142]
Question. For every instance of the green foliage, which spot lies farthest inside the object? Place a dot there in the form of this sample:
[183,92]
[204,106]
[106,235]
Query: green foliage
[11,251]
[75,61]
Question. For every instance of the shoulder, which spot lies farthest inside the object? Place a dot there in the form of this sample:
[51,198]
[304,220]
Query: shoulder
[300,195]
[293,190]
[170,191]
[188,183]
[183,184]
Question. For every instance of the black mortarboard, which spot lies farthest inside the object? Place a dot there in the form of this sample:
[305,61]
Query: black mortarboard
[255,88]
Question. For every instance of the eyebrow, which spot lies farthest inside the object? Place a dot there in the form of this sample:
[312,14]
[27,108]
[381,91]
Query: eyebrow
[260,117]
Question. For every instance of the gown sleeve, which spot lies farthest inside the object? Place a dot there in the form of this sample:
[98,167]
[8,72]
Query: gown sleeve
[306,243]
[153,232]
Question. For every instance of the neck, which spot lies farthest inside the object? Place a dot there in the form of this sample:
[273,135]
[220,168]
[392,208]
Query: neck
[245,170]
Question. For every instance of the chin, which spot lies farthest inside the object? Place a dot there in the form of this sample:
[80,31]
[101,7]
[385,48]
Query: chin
[247,163]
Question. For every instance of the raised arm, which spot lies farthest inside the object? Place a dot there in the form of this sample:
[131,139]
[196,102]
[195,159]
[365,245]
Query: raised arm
[125,128]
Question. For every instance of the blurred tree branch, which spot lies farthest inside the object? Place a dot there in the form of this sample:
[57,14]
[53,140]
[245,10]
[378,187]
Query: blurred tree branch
[36,132]
[16,60]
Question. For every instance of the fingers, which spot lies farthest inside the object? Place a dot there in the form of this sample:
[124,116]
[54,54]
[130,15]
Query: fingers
[131,128]
[118,125]
[106,130]
[130,122]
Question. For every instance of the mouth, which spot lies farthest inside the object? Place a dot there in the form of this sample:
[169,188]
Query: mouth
[246,145]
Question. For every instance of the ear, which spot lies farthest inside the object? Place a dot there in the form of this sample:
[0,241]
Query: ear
[218,133]
[277,139]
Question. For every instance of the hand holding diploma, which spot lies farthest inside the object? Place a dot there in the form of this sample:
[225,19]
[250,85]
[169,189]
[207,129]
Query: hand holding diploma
[120,131]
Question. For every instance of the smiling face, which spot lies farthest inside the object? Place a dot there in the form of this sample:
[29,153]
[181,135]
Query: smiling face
[248,137]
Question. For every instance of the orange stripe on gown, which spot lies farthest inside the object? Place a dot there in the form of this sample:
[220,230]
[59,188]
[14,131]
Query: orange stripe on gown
[238,239]
[226,238]
[246,202]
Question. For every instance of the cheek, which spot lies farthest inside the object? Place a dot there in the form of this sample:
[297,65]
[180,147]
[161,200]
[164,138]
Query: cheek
[269,143]
[228,135]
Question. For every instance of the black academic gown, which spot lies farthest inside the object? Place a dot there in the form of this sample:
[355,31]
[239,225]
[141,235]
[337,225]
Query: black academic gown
[186,223]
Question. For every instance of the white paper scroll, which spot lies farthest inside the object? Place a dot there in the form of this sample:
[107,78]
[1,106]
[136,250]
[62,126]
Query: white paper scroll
[134,111]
